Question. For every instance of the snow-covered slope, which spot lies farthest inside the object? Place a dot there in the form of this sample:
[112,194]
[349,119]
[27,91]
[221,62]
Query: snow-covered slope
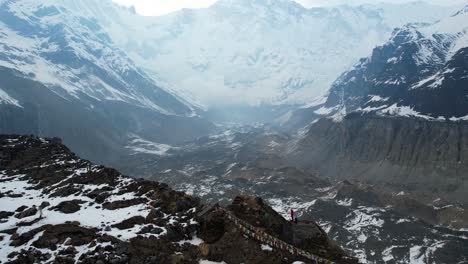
[58,208]
[62,75]
[251,51]
[75,57]
[420,72]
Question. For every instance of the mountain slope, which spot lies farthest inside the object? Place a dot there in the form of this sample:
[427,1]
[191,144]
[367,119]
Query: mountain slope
[420,71]
[63,76]
[57,207]
[399,115]
[252,51]
[356,215]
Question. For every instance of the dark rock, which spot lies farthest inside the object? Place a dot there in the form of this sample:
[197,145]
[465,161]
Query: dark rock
[154,214]
[175,233]
[124,203]
[21,208]
[58,234]
[151,230]
[69,251]
[28,223]
[102,197]
[26,213]
[69,207]
[66,191]
[18,240]
[131,222]
[44,205]
[9,231]
[4,214]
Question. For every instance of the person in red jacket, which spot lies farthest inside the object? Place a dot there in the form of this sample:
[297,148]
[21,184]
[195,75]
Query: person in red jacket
[292,215]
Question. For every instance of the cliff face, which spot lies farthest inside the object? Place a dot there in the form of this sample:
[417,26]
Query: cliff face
[59,208]
[413,153]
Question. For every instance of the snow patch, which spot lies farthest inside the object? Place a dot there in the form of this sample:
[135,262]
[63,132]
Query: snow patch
[139,145]
[6,99]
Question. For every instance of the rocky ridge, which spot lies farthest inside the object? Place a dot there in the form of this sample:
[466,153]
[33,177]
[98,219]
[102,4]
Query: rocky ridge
[58,208]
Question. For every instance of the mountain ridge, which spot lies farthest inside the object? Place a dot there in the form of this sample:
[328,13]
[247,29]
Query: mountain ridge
[242,69]
[61,208]
[63,76]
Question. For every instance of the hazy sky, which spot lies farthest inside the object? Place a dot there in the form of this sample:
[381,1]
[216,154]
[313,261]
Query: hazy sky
[159,7]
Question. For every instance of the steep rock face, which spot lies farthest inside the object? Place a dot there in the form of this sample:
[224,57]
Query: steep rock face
[399,115]
[59,208]
[420,155]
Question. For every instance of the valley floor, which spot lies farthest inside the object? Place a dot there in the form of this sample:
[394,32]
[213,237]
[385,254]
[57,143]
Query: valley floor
[377,222]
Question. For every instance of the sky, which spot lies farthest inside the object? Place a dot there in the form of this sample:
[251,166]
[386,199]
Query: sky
[160,7]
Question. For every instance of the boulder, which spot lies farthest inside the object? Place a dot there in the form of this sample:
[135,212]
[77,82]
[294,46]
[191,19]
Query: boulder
[26,213]
[21,208]
[131,222]
[69,207]
[124,203]
[4,214]
[59,233]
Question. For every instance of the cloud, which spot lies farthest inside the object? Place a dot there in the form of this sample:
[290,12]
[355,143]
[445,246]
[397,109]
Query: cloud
[316,3]
[160,7]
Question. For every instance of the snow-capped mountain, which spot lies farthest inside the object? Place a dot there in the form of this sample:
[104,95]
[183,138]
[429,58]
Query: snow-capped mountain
[421,71]
[76,58]
[252,51]
[399,116]
[62,75]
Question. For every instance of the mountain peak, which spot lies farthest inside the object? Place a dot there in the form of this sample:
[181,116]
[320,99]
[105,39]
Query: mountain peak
[462,11]
[253,4]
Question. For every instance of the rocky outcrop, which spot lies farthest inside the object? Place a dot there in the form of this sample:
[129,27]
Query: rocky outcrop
[411,153]
[73,211]
[217,232]
[69,207]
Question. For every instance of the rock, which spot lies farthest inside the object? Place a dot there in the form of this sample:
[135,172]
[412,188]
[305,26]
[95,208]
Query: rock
[69,251]
[4,214]
[21,208]
[102,197]
[58,234]
[124,203]
[9,231]
[154,214]
[175,233]
[65,191]
[213,228]
[19,240]
[28,223]
[131,222]
[151,230]
[69,207]
[26,213]
[44,205]
[65,260]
